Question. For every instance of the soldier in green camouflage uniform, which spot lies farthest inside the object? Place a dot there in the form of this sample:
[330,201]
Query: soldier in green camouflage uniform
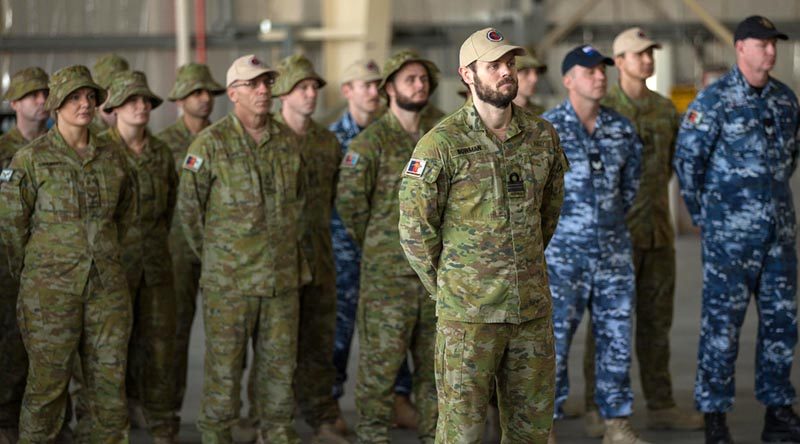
[656,121]
[151,353]
[103,70]
[193,92]
[67,200]
[297,87]
[240,200]
[395,314]
[479,201]
[27,94]
[529,68]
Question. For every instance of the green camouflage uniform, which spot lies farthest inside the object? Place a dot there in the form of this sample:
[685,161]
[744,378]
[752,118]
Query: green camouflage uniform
[657,123]
[529,61]
[475,217]
[322,154]
[185,264]
[240,203]
[535,108]
[148,267]
[395,314]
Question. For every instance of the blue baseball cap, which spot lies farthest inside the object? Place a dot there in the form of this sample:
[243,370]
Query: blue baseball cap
[586,56]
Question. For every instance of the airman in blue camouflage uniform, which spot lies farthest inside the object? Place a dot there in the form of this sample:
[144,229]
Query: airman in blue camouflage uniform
[590,258]
[737,149]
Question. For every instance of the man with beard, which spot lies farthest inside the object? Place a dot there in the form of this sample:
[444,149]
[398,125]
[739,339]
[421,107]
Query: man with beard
[395,314]
[27,94]
[529,68]
[736,152]
[297,88]
[589,259]
[479,201]
[194,93]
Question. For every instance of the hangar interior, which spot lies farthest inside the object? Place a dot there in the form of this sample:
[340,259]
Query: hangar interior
[156,36]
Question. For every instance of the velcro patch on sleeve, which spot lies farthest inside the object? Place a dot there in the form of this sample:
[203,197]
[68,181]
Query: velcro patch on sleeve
[694,117]
[6,175]
[350,159]
[192,163]
[415,168]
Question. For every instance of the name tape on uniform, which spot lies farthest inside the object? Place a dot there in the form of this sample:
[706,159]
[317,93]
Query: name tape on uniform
[415,168]
[6,175]
[192,163]
[350,160]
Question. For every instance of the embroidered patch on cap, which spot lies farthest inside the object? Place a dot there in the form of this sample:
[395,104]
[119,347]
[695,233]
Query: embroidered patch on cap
[766,23]
[192,163]
[255,62]
[350,160]
[372,67]
[589,49]
[6,175]
[694,117]
[494,35]
[415,167]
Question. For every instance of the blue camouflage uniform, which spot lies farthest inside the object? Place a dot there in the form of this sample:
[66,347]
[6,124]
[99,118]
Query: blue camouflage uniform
[737,148]
[348,262]
[589,259]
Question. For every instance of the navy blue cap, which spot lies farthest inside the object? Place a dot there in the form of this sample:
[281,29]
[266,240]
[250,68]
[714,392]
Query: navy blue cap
[757,27]
[586,56]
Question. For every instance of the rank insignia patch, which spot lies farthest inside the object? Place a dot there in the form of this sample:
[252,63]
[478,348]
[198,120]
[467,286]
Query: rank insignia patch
[6,175]
[192,163]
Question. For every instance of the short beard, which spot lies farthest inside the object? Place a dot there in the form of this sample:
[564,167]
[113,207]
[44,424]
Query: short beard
[496,98]
[407,104]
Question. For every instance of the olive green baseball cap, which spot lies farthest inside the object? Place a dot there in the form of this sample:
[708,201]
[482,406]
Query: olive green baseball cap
[292,70]
[66,80]
[106,66]
[529,61]
[397,61]
[126,84]
[192,77]
[26,81]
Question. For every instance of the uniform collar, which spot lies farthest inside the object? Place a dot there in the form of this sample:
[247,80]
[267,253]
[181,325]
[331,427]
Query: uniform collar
[272,129]
[57,141]
[474,121]
[738,79]
[147,152]
[602,118]
[626,104]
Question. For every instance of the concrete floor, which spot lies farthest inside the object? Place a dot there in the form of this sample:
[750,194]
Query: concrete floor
[745,420]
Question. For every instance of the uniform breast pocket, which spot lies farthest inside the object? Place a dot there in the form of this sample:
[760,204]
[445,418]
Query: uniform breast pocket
[239,186]
[476,182]
[57,197]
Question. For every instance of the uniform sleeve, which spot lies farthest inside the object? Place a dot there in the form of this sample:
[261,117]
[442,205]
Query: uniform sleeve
[422,203]
[358,173]
[631,172]
[194,189]
[304,250]
[553,193]
[173,182]
[697,137]
[17,201]
[127,209]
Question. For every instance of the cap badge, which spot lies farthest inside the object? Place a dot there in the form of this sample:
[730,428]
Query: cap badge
[589,50]
[255,62]
[494,36]
[641,35]
[766,23]
[372,67]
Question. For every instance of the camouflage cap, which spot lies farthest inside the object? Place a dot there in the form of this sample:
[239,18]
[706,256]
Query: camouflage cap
[106,66]
[397,61]
[26,81]
[66,80]
[126,84]
[192,77]
[292,70]
[364,69]
[530,61]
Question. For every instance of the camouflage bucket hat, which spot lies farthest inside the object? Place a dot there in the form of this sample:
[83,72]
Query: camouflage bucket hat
[126,84]
[25,82]
[106,66]
[66,80]
[294,69]
[528,61]
[397,61]
[192,77]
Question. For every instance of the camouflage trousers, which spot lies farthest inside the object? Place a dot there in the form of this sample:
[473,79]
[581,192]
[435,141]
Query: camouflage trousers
[151,354]
[605,284]
[395,316]
[655,297]
[186,283]
[732,272]
[230,322]
[13,359]
[58,327]
[315,371]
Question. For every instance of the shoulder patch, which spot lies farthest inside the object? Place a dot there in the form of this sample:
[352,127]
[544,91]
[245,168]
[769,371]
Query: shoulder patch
[415,168]
[350,159]
[694,117]
[192,163]
[6,175]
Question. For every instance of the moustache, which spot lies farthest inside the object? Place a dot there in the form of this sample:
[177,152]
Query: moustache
[507,81]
